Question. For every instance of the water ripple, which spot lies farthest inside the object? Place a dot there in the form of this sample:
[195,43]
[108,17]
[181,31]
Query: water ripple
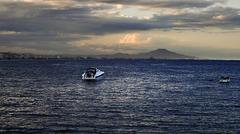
[142,96]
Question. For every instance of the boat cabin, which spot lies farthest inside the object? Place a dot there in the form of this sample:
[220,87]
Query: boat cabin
[91,70]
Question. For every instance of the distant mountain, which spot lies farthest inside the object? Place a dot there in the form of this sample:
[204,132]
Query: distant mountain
[156,54]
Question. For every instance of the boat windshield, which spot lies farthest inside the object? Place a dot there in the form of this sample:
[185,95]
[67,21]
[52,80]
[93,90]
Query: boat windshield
[91,70]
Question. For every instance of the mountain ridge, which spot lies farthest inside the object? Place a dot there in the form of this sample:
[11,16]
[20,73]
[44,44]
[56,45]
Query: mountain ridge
[155,54]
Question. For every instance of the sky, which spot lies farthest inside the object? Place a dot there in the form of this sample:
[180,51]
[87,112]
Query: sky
[201,28]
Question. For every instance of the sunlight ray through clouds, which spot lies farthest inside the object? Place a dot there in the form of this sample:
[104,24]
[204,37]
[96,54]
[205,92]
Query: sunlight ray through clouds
[134,38]
[98,26]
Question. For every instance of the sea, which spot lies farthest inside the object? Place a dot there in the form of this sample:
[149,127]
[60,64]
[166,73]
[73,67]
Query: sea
[134,97]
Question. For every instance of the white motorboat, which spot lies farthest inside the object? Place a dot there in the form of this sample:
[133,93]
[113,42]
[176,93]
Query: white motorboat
[225,80]
[92,74]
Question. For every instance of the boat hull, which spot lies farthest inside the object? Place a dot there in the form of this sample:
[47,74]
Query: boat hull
[95,78]
[224,81]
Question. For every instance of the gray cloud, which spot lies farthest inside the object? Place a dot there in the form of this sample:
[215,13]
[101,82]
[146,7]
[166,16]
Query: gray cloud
[20,16]
[166,3]
[46,28]
[51,29]
[214,17]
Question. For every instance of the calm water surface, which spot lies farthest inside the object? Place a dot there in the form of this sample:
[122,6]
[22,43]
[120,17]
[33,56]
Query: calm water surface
[136,96]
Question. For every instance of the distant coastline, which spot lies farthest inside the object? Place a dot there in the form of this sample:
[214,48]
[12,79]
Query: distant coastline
[163,54]
[159,54]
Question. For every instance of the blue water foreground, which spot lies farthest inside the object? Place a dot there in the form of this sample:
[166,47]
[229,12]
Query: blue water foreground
[135,96]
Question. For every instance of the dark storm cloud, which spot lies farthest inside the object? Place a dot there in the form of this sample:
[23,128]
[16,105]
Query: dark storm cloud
[44,27]
[165,3]
[79,20]
[22,17]
[51,29]
[32,18]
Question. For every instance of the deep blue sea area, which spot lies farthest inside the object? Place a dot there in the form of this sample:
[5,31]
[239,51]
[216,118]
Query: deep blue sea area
[135,96]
